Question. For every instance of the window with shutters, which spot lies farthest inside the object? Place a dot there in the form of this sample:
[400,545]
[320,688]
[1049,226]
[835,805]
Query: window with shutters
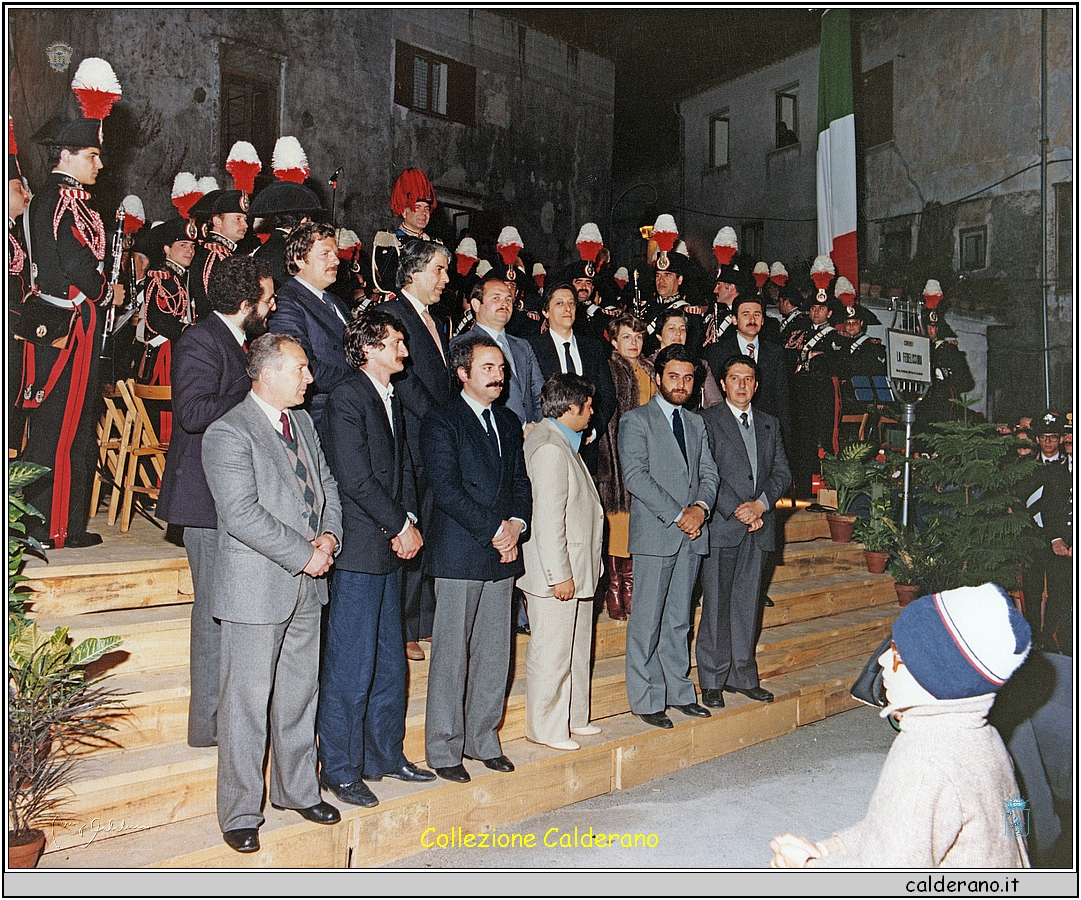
[249,112]
[973,243]
[750,239]
[786,116]
[434,85]
[874,106]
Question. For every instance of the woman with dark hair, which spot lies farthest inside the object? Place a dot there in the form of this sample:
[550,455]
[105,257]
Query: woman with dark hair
[634,384]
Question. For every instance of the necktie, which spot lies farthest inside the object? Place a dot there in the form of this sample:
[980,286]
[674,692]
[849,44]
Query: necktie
[504,345]
[244,347]
[743,419]
[490,426]
[677,430]
[750,351]
[567,359]
[286,430]
[333,306]
[433,331]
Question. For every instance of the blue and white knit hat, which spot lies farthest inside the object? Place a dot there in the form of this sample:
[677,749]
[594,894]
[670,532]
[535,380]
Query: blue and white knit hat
[962,643]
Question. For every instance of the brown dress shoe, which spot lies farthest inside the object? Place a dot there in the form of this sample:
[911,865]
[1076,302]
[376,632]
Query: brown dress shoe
[613,597]
[413,651]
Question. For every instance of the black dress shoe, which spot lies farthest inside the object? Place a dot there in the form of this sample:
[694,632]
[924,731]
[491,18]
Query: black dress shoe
[523,629]
[452,773]
[78,541]
[355,793]
[713,698]
[408,772]
[243,840]
[657,720]
[767,602]
[694,709]
[498,763]
[756,693]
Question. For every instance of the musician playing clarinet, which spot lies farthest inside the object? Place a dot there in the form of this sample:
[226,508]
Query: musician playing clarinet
[61,389]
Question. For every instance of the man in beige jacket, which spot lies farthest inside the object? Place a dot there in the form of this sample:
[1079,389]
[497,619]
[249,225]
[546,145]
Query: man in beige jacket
[562,565]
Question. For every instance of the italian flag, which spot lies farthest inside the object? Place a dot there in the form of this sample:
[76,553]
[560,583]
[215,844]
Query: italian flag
[837,146]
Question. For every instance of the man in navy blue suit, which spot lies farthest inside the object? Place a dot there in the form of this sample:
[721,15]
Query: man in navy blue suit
[209,377]
[311,314]
[483,502]
[361,720]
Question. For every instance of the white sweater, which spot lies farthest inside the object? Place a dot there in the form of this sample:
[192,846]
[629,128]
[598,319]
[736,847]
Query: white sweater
[940,800]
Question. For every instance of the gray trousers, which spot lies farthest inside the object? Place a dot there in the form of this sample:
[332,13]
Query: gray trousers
[467,672]
[275,666]
[658,631]
[205,654]
[724,650]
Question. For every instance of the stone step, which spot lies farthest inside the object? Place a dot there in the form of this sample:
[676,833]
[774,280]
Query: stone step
[135,827]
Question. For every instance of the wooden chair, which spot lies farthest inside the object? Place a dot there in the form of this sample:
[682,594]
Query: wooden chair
[146,454]
[113,443]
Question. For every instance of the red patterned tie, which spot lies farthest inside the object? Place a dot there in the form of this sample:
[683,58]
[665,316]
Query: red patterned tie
[750,351]
[286,430]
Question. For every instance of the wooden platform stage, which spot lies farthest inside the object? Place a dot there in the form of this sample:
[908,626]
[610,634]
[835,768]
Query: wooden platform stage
[147,799]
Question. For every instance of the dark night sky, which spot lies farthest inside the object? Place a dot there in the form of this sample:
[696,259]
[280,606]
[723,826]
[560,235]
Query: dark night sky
[662,55]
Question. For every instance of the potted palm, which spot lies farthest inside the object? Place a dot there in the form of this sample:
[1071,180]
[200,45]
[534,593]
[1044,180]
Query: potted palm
[52,704]
[874,531]
[849,474]
[915,561]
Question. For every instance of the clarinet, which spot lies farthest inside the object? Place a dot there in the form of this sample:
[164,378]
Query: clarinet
[118,259]
[638,310]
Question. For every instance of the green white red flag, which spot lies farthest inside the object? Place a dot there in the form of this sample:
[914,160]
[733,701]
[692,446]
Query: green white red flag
[837,145]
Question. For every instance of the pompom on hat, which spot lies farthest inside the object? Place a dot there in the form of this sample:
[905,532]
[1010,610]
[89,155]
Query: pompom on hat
[411,186]
[962,643]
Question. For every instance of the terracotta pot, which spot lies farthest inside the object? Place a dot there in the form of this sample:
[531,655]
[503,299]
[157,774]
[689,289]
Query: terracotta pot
[840,527]
[24,850]
[906,593]
[876,561]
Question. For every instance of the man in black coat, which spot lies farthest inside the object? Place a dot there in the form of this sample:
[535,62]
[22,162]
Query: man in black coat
[483,503]
[61,387]
[559,349]
[745,339]
[310,313]
[422,274]
[209,377]
[361,719]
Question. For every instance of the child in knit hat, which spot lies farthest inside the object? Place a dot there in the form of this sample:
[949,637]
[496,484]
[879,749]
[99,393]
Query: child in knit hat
[941,798]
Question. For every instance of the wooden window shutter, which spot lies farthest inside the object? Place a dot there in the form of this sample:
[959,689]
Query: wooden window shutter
[403,74]
[461,93]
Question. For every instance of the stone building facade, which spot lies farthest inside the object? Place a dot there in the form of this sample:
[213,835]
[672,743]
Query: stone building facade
[512,126]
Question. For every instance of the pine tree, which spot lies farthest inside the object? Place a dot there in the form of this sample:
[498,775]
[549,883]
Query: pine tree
[973,483]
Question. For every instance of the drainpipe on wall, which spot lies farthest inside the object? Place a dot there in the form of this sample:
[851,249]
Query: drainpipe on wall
[1043,207]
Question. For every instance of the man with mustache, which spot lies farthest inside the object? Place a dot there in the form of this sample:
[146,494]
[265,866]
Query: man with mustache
[672,478]
[472,450]
[310,313]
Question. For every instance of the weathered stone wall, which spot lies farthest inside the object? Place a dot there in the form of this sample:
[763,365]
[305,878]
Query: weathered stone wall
[539,155]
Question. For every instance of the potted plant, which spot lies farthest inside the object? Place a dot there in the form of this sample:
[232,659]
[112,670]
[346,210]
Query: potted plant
[915,561]
[849,474]
[874,531]
[52,704]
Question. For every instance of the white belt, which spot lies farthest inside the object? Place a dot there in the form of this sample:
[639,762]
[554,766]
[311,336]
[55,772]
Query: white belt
[61,301]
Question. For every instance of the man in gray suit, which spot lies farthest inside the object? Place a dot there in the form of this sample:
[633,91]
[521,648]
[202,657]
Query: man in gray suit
[746,444]
[672,479]
[493,304]
[279,528]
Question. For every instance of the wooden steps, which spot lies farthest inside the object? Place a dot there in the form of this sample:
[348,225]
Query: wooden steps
[626,754]
[159,794]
